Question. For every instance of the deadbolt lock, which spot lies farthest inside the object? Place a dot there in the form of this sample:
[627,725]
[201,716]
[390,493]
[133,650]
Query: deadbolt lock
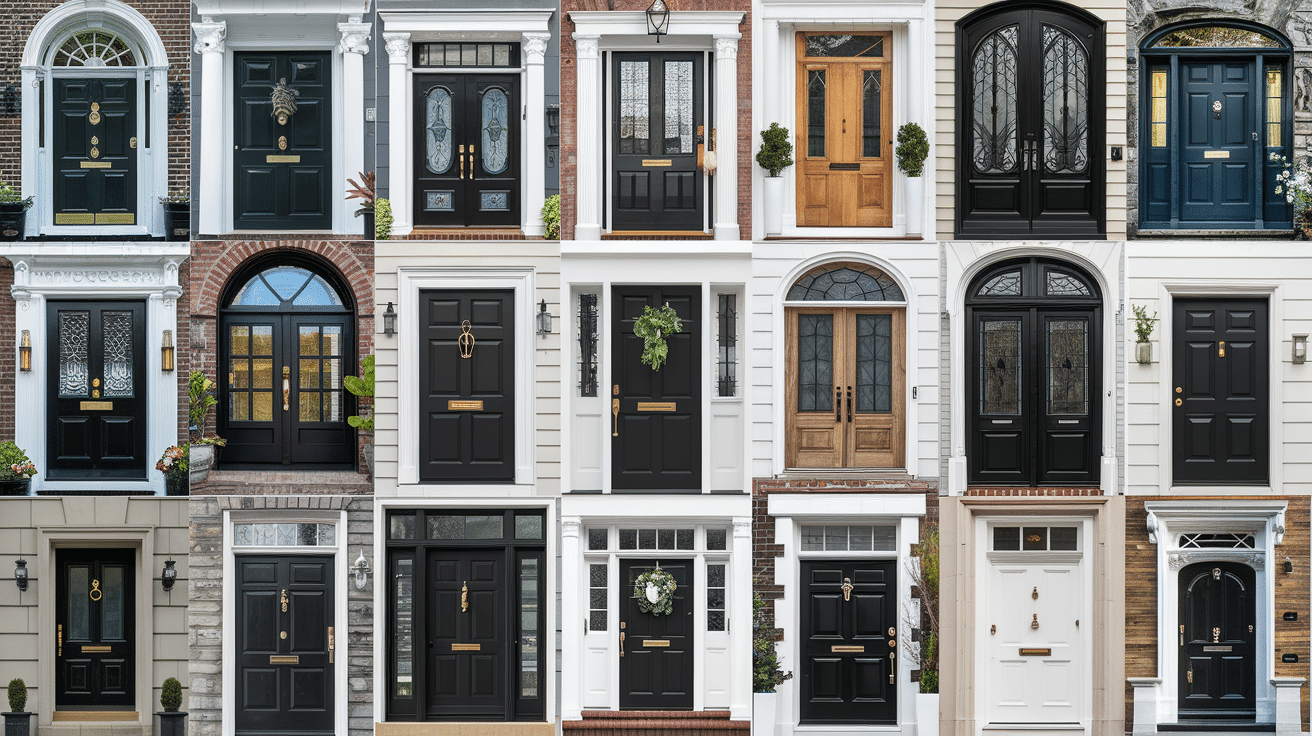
[1179,402]
[1220,353]
[132,142]
[1179,390]
[1035,623]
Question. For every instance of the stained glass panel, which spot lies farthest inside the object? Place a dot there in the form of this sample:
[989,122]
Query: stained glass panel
[999,371]
[437,124]
[815,362]
[635,104]
[994,92]
[73,341]
[1065,103]
[839,283]
[1216,37]
[1275,107]
[1068,366]
[815,113]
[116,332]
[1158,120]
[1004,284]
[874,363]
[678,107]
[496,131]
[845,46]
[871,107]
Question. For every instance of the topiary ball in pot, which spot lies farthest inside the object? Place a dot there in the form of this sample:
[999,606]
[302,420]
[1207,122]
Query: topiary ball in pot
[17,695]
[170,696]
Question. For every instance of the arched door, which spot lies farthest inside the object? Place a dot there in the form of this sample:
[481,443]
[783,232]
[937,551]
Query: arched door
[1034,382]
[1218,613]
[1032,114]
[287,339]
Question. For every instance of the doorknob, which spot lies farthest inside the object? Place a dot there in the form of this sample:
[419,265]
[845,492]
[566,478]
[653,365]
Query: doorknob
[622,625]
[286,391]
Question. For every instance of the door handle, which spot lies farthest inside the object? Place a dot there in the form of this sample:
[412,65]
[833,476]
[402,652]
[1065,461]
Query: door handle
[462,161]
[1181,634]
[622,624]
[464,597]
[331,644]
[844,126]
[284,600]
[838,403]
[286,391]
[849,403]
[60,639]
[615,417]
[471,161]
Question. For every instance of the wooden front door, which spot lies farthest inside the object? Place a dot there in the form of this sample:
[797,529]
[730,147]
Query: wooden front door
[659,125]
[468,635]
[95,151]
[845,384]
[467,385]
[1218,666]
[844,141]
[656,651]
[96,386]
[1220,400]
[466,149]
[95,617]
[282,162]
[656,415]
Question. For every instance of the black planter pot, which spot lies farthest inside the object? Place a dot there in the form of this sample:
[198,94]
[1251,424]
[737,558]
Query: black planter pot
[15,487]
[369,230]
[13,217]
[171,723]
[177,221]
[175,485]
[18,724]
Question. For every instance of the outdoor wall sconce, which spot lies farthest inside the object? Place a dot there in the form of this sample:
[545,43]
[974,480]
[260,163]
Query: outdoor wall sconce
[389,321]
[544,319]
[658,19]
[20,574]
[166,351]
[1289,565]
[553,121]
[169,575]
[11,100]
[25,351]
[1300,349]
[177,100]
[361,568]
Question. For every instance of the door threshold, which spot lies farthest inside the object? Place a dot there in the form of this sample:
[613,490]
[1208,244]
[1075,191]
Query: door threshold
[1056,726]
[1217,725]
[93,716]
[465,728]
[657,235]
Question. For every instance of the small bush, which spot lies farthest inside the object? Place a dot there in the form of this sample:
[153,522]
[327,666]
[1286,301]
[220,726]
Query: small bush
[170,695]
[551,216]
[17,695]
[912,149]
[363,386]
[766,675]
[382,219]
[776,152]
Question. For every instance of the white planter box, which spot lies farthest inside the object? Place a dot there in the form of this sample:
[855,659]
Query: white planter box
[764,707]
[774,216]
[927,714]
[915,191]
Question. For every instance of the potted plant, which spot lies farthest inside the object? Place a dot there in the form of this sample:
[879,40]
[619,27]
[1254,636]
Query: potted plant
[172,722]
[173,464]
[203,455]
[16,470]
[766,673]
[1294,183]
[383,223]
[912,150]
[776,154]
[364,191]
[177,214]
[653,327]
[13,212]
[924,569]
[551,217]
[1143,333]
[18,722]
[363,386]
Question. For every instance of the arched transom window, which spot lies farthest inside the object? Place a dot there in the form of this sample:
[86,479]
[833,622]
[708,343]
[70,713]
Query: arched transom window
[845,282]
[94,49]
[287,286]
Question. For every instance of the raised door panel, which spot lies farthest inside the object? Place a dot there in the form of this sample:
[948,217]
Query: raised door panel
[876,364]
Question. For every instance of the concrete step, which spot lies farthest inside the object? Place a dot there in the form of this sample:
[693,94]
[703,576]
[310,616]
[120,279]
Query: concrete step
[652,722]
[279,482]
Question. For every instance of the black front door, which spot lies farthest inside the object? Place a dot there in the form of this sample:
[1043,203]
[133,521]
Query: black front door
[95,616]
[286,645]
[466,150]
[848,672]
[97,388]
[656,651]
[468,640]
[656,415]
[467,385]
[282,162]
[1220,355]
[1031,111]
[95,151]
[658,126]
[1218,668]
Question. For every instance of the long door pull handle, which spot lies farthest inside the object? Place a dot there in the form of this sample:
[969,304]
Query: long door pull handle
[332,644]
[849,403]
[286,388]
[471,161]
[622,624]
[462,161]
[838,403]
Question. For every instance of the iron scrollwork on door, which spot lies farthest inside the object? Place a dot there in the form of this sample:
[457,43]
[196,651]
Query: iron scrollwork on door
[284,101]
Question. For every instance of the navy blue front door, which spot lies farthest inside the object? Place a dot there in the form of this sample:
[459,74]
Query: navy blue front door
[1219,145]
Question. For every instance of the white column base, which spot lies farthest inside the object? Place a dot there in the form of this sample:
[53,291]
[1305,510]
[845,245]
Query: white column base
[1146,690]
[1289,721]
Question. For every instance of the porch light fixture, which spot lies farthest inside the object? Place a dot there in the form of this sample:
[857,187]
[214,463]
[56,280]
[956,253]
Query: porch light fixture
[658,19]
[166,351]
[389,321]
[177,99]
[1300,349]
[544,317]
[25,351]
[553,121]
[20,574]
[169,575]
[361,569]
[1289,565]
[11,100]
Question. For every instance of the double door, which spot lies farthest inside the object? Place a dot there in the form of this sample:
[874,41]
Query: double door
[95,151]
[467,152]
[656,651]
[1218,615]
[95,617]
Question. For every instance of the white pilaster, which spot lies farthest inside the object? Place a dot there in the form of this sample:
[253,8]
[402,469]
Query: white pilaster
[740,611]
[353,46]
[535,147]
[588,148]
[571,620]
[209,197]
[726,137]
[398,158]
[1289,722]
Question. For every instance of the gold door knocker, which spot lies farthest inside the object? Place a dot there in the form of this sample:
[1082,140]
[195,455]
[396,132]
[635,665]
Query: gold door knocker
[464,597]
[1221,352]
[94,117]
[284,101]
[282,143]
[847,589]
[95,594]
[1035,593]
[284,600]
[1035,623]
[466,340]
[1216,634]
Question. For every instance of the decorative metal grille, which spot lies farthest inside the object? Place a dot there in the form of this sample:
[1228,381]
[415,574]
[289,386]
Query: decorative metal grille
[587,344]
[728,339]
[815,362]
[1065,103]
[845,46]
[715,597]
[845,283]
[871,110]
[815,113]
[95,49]
[994,114]
[1064,284]
[1004,284]
[73,341]
[1217,541]
[437,123]
[874,363]
[116,334]
[598,593]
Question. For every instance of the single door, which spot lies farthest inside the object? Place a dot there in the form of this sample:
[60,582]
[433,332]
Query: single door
[97,389]
[848,672]
[468,639]
[1220,401]
[467,385]
[467,150]
[656,415]
[844,104]
[1219,148]
[95,616]
[282,162]
[95,151]
[1218,612]
[656,652]
[286,645]
[658,130]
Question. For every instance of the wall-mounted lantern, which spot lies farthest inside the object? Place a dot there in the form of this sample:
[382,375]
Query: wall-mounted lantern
[25,351]
[361,570]
[20,574]
[389,321]
[658,19]
[544,319]
[169,575]
[1300,349]
[166,351]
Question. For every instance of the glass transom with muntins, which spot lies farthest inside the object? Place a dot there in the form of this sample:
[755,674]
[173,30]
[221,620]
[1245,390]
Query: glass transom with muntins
[94,49]
[845,282]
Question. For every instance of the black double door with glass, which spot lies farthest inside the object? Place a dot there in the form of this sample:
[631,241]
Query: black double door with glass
[96,390]
[657,650]
[95,620]
[467,154]
[95,151]
[1218,643]
[286,645]
[282,157]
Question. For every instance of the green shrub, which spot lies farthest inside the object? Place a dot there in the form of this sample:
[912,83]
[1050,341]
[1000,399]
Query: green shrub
[14,464]
[170,695]
[17,695]
[776,152]
[551,216]
[929,653]
[362,386]
[382,219]
[200,391]
[912,149]
[766,675]
[10,194]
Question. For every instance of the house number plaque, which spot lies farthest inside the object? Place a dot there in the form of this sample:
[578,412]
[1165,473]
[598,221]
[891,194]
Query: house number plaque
[458,405]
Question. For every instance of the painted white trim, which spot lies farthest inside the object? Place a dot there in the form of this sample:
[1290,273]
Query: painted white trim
[436,25]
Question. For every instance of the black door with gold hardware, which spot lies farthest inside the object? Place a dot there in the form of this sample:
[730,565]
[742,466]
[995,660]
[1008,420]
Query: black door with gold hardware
[656,651]
[95,151]
[282,157]
[848,672]
[468,634]
[287,645]
[1218,666]
[466,150]
[658,128]
[1219,399]
[467,386]
[95,617]
[96,363]
[656,414]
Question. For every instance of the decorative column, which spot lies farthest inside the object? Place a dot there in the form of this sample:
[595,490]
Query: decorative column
[535,155]
[587,139]
[571,619]
[213,177]
[726,137]
[30,315]
[353,46]
[740,636]
[398,156]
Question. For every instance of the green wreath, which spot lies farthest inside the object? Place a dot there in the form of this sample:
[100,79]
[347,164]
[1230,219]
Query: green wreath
[653,327]
[659,584]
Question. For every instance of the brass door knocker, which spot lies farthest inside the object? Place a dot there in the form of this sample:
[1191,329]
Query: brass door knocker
[1035,593]
[1035,623]
[284,101]
[847,589]
[466,340]
[1216,634]
[464,597]
[94,117]
[284,600]
[96,594]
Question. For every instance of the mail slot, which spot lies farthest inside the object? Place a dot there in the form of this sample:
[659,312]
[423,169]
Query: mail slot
[96,165]
[656,642]
[847,648]
[1216,154]
[277,159]
[466,647]
[1225,648]
[1035,652]
[657,406]
[283,659]
[96,406]
[458,405]
[844,167]
[657,162]
[98,649]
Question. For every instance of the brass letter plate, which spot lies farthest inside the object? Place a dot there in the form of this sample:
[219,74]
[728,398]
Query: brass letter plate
[657,162]
[97,649]
[1035,652]
[655,642]
[847,648]
[283,159]
[96,165]
[657,406]
[276,659]
[454,405]
[466,647]
[1216,154]
[96,406]
[1218,649]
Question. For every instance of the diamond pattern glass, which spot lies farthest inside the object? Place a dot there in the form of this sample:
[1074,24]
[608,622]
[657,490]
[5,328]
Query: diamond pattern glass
[717,538]
[598,538]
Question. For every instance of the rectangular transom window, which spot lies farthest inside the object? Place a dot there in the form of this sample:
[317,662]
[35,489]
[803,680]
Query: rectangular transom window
[284,535]
[467,54]
[832,538]
[1035,538]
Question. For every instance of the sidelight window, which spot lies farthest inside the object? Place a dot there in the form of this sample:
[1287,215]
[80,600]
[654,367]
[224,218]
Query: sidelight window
[1157,105]
[715,597]
[727,340]
[598,592]
[587,344]
[1274,108]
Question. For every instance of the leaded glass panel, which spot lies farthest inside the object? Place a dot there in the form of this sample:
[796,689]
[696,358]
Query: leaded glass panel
[437,124]
[815,362]
[529,574]
[111,602]
[598,538]
[116,336]
[496,131]
[999,370]
[401,526]
[845,46]
[1158,111]
[874,363]
[528,526]
[1064,284]
[598,575]
[715,597]
[1216,37]
[403,636]
[845,284]
[268,534]
[815,113]
[635,104]
[871,109]
[1068,366]
[79,603]
[994,111]
[717,538]
[1065,103]
[1004,284]
[73,341]
[678,107]
[1275,107]
[466,526]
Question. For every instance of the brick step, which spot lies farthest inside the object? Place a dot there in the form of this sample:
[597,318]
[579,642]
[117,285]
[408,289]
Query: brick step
[267,482]
[652,722]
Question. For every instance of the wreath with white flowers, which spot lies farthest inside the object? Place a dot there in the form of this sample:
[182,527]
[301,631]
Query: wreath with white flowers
[653,327]
[654,592]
